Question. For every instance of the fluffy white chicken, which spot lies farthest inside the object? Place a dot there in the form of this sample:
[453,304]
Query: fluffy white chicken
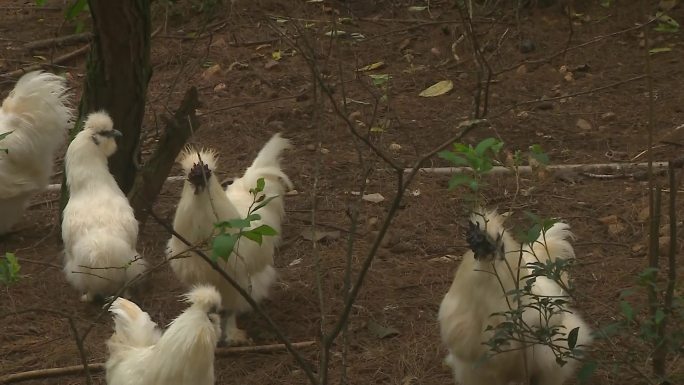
[37,115]
[98,227]
[476,294]
[204,202]
[139,354]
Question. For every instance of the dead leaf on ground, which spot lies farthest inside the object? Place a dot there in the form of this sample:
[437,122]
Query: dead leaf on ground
[615,225]
[437,89]
[381,331]
[318,235]
[211,71]
[371,67]
[375,198]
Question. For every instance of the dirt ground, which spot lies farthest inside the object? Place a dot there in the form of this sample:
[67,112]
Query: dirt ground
[251,96]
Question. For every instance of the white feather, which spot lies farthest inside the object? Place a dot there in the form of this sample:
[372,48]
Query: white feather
[198,211]
[99,228]
[37,115]
[476,294]
[139,354]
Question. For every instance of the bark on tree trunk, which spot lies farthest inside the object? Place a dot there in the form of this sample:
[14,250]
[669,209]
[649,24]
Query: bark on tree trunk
[118,73]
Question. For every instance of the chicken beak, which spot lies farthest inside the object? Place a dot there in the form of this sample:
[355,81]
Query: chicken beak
[116,133]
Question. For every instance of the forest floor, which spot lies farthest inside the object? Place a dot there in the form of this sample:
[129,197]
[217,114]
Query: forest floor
[590,65]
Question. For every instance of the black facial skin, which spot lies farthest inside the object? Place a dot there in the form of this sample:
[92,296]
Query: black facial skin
[482,245]
[198,175]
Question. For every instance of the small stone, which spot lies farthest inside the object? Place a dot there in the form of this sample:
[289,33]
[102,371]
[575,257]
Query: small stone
[583,124]
[608,116]
[563,69]
[435,51]
[395,147]
[527,46]
[220,87]
[324,151]
[569,77]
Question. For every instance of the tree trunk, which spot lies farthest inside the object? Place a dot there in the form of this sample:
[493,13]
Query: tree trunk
[118,73]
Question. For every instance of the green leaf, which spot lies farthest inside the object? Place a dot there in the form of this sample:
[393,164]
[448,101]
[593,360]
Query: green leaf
[253,236]
[586,371]
[484,145]
[40,3]
[605,3]
[458,180]
[76,8]
[4,134]
[379,80]
[234,224]
[457,160]
[538,154]
[265,230]
[223,245]
[9,268]
[264,203]
[572,338]
[627,311]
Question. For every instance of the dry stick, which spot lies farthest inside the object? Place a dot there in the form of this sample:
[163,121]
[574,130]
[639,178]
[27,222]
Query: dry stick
[401,188]
[59,60]
[100,366]
[303,363]
[81,352]
[591,91]
[586,168]
[50,373]
[248,104]
[60,40]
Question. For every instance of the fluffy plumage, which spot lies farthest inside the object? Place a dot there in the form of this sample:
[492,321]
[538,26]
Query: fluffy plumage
[204,202]
[37,115]
[99,229]
[139,354]
[476,294]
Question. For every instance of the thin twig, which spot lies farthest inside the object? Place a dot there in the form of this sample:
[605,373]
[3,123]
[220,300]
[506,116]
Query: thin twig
[58,60]
[303,363]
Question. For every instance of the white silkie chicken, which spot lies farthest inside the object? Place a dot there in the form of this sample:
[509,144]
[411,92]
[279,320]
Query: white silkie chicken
[204,202]
[476,294]
[37,116]
[99,228]
[139,354]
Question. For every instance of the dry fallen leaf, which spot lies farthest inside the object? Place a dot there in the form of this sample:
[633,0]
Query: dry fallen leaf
[375,198]
[437,89]
[319,235]
[371,67]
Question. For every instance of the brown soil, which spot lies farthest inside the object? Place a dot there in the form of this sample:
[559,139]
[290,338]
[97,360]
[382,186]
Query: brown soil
[407,279]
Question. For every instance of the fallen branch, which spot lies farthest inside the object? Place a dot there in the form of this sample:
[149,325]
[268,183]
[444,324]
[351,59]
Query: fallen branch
[59,60]
[50,373]
[220,352]
[100,366]
[586,168]
[149,181]
[58,41]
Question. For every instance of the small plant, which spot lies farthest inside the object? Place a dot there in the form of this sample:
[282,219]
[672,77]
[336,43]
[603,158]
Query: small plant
[480,159]
[9,269]
[230,232]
